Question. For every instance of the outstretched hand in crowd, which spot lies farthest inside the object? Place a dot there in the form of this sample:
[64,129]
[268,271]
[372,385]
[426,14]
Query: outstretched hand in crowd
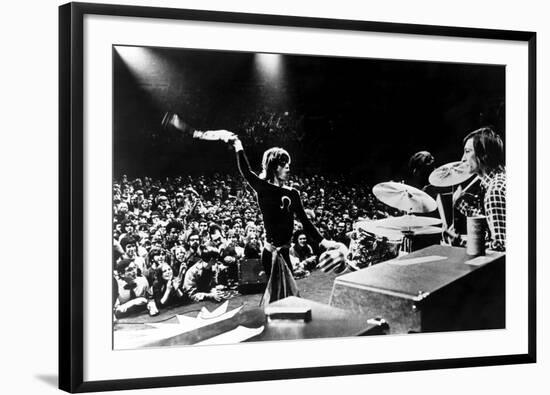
[216,295]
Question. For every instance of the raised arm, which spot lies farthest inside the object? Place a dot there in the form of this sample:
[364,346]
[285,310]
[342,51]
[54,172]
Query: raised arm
[244,166]
[175,121]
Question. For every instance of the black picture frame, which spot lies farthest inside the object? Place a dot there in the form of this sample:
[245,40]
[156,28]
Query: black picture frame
[71,194]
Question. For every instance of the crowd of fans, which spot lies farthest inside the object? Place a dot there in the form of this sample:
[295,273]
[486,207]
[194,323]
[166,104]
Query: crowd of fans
[181,239]
[272,128]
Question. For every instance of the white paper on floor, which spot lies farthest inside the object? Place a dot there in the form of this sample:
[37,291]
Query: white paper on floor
[126,339]
[205,314]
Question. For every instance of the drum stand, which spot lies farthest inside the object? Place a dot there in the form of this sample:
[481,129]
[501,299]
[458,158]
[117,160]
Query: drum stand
[453,189]
[407,243]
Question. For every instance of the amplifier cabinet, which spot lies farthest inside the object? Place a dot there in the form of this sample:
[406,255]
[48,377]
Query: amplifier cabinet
[438,288]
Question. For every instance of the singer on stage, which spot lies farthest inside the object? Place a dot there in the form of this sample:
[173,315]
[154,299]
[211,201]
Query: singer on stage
[278,204]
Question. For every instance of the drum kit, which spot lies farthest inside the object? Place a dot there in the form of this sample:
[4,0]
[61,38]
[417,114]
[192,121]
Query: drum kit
[402,230]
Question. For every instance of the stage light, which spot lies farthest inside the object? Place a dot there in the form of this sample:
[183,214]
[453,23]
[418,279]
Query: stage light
[152,73]
[268,64]
[138,59]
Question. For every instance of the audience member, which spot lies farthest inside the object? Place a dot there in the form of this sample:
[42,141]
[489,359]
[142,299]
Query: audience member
[134,292]
[200,279]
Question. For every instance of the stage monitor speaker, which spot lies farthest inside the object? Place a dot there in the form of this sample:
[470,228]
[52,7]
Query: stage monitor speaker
[438,288]
[252,277]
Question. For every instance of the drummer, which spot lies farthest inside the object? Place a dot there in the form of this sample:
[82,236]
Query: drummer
[484,155]
[421,164]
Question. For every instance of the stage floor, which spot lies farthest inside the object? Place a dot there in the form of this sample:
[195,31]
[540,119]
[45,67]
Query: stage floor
[316,287]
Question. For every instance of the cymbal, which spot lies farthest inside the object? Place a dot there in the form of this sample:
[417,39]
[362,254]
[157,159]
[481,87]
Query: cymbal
[427,230]
[376,228]
[404,197]
[450,174]
[392,230]
[409,222]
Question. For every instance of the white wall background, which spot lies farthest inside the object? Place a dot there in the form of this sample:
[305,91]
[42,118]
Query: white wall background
[28,193]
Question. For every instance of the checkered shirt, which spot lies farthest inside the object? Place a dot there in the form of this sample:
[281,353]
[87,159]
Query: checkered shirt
[494,207]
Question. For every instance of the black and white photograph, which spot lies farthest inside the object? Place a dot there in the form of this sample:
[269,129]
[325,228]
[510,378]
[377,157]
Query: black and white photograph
[279,197]
[272,197]
[248,197]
